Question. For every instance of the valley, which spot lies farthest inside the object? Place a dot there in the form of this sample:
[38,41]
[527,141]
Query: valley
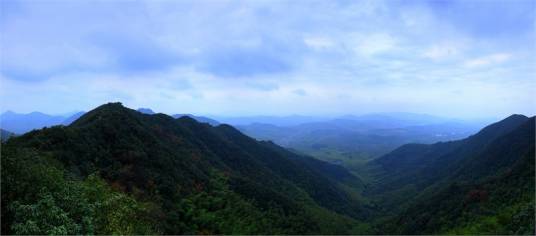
[166,175]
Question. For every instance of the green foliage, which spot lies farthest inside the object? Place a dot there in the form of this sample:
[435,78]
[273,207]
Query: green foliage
[115,212]
[173,176]
[220,210]
[117,171]
[43,217]
[38,199]
[491,191]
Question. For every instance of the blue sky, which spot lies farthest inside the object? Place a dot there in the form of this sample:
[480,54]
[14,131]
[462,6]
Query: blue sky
[453,58]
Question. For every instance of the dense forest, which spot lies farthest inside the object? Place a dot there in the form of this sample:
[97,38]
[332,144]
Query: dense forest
[115,170]
[483,184]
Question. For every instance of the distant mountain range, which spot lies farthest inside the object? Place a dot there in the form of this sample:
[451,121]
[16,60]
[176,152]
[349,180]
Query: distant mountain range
[352,139]
[282,121]
[22,123]
[396,119]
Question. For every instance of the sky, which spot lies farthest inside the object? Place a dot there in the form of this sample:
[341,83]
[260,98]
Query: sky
[473,58]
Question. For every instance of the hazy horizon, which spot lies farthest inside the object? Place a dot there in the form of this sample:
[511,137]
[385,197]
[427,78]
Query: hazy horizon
[457,59]
[319,117]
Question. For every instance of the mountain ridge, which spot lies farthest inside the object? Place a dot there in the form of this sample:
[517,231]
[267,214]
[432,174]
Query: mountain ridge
[425,177]
[130,150]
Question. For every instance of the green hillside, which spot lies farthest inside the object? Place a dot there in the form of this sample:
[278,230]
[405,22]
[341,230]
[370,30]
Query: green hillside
[480,185]
[118,171]
[174,176]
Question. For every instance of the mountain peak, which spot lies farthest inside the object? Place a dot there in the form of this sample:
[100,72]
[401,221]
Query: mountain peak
[108,110]
[516,117]
[509,122]
[157,157]
[491,132]
[37,113]
[110,105]
[186,118]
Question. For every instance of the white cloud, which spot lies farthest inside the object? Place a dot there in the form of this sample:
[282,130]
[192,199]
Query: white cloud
[368,45]
[360,54]
[442,51]
[488,60]
[318,43]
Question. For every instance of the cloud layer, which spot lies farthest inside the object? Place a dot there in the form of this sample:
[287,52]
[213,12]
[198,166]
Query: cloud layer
[454,58]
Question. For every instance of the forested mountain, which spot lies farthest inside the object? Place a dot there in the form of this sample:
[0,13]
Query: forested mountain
[22,123]
[420,165]
[119,171]
[116,170]
[481,184]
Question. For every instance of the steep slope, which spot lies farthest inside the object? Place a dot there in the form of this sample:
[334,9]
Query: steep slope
[483,184]
[72,118]
[196,178]
[500,155]
[417,166]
